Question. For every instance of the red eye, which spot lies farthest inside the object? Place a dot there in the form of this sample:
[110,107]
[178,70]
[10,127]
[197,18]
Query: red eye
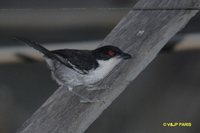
[111,53]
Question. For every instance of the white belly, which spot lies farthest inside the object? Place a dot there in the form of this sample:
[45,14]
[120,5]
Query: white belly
[66,76]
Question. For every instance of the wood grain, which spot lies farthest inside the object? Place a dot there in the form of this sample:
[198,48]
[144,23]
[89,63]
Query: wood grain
[140,33]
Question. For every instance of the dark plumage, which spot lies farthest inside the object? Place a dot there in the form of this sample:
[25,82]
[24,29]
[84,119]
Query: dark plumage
[83,60]
[71,67]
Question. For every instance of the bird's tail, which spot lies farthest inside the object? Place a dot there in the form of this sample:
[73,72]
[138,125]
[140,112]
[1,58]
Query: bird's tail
[36,46]
[41,49]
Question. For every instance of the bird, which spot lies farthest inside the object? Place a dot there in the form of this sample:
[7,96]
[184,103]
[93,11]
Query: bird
[73,67]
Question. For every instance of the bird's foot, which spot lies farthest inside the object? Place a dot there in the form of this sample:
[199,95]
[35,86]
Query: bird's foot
[90,100]
[96,88]
[84,99]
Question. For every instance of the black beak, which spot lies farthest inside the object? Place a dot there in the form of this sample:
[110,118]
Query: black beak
[125,56]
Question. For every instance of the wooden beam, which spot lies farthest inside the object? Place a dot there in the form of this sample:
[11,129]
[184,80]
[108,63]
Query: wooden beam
[141,33]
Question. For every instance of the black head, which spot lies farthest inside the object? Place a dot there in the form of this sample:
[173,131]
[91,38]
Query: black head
[109,51]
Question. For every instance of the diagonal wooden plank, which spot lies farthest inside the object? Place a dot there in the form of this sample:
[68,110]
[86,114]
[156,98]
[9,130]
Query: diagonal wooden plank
[141,33]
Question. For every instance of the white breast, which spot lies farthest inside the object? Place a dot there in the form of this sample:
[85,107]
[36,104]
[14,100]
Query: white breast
[103,70]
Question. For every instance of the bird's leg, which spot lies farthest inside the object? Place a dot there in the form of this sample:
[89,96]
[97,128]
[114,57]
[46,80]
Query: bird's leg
[82,98]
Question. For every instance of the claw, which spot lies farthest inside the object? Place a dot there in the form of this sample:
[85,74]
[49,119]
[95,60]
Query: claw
[98,88]
[90,101]
[84,99]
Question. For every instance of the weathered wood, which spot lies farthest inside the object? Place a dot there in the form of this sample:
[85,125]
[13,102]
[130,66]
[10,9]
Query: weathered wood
[141,33]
